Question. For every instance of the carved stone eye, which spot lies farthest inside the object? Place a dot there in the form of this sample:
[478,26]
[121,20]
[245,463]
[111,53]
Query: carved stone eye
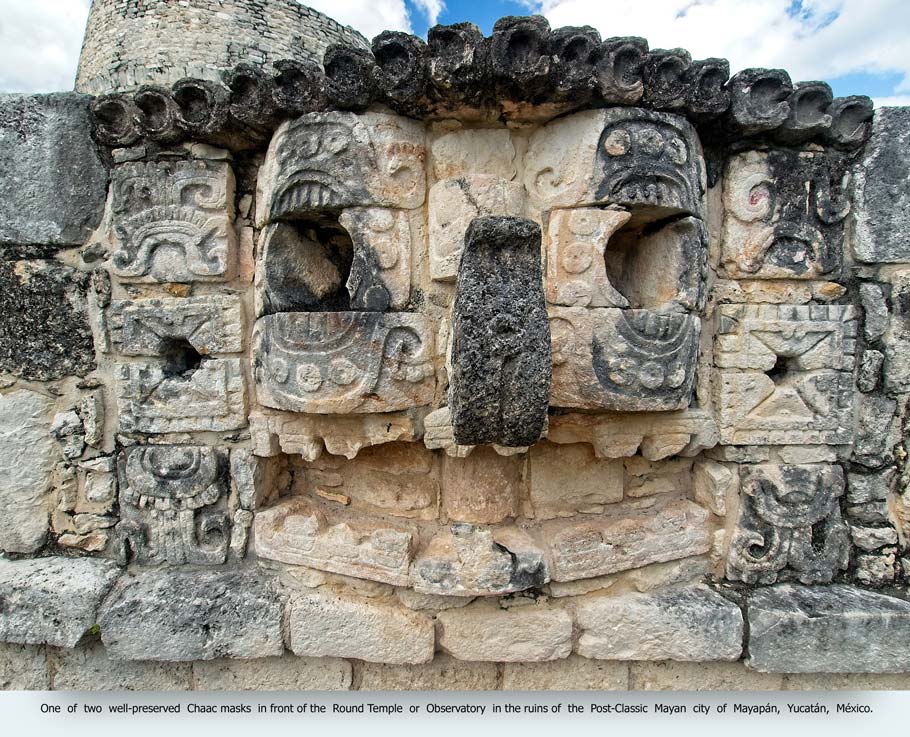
[343,372]
[675,151]
[617,143]
[582,222]
[651,142]
[309,377]
[576,258]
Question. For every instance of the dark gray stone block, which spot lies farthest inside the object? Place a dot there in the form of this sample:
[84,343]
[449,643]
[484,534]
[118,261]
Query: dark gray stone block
[53,185]
[501,365]
[830,629]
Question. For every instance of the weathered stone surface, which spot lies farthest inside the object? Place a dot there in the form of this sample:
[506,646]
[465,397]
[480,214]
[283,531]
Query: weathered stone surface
[444,673]
[689,624]
[520,57]
[715,676]
[875,310]
[897,336]
[23,668]
[380,276]
[483,632]
[876,569]
[44,329]
[52,601]
[165,327]
[501,365]
[846,681]
[54,183]
[872,538]
[833,629]
[758,100]
[627,538]
[794,384]
[177,615]
[876,431]
[572,674]
[594,482]
[465,560]
[334,160]
[869,371]
[784,214]
[207,394]
[25,434]
[88,668]
[453,204]
[870,487]
[471,151]
[303,531]
[173,505]
[882,201]
[622,360]
[713,484]
[283,673]
[790,525]
[339,362]
[173,221]
[483,488]
[327,624]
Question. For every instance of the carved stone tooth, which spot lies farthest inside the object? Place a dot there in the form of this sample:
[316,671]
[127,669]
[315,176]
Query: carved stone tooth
[665,73]
[851,121]
[809,118]
[619,70]
[759,100]
[402,71]
[298,87]
[350,77]
[159,113]
[115,120]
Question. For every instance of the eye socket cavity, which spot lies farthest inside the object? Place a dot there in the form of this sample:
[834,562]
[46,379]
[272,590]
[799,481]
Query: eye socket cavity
[647,141]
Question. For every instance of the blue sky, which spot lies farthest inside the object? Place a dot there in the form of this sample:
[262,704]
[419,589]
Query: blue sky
[858,46]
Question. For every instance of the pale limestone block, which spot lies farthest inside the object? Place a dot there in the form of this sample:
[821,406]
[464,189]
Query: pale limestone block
[661,575]
[646,478]
[474,151]
[713,483]
[25,434]
[524,634]
[438,434]
[444,673]
[559,589]
[482,488]
[327,624]
[88,668]
[716,676]
[434,602]
[807,454]
[23,668]
[453,204]
[380,276]
[594,482]
[282,673]
[572,674]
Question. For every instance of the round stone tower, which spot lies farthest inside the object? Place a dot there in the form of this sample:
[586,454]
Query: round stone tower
[129,43]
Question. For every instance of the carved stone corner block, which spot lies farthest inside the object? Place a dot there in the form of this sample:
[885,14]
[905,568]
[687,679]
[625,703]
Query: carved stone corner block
[501,366]
[302,531]
[596,546]
[784,214]
[334,160]
[343,435]
[172,221]
[340,362]
[790,525]
[454,203]
[647,161]
[207,397]
[173,505]
[464,560]
[380,276]
[622,360]
[159,327]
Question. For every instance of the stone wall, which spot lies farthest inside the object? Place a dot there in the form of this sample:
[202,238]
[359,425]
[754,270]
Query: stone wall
[567,375]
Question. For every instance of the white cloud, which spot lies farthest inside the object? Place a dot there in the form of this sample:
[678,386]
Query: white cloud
[893,101]
[827,39]
[370,17]
[39,44]
[431,9]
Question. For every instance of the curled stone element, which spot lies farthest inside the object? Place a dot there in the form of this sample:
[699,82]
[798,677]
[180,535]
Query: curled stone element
[115,120]
[459,64]
[521,57]
[158,114]
[402,67]
[759,99]
[350,78]
[203,107]
[501,366]
[299,87]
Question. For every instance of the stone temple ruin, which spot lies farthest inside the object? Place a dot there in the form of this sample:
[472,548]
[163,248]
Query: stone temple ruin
[523,361]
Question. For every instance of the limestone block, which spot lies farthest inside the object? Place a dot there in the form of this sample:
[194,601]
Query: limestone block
[380,276]
[54,182]
[622,360]
[416,600]
[172,221]
[44,323]
[882,201]
[625,538]
[870,487]
[304,532]
[180,615]
[847,682]
[334,160]
[453,204]
[568,479]
[713,484]
[876,430]
[327,624]
[208,396]
[635,158]
[784,214]
[875,310]
[869,371]
[283,673]
[173,505]
[88,668]
[482,632]
[792,629]
[876,569]
[790,525]
[897,337]
[645,478]
[309,435]
[576,270]
[52,601]
[694,624]
[444,673]
[461,153]
[672,675]
[572,674]
[23,668]
[252,479]
[500,376]
[24,484]
[483,488]
[340,362]
[160,327]
[465,560]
